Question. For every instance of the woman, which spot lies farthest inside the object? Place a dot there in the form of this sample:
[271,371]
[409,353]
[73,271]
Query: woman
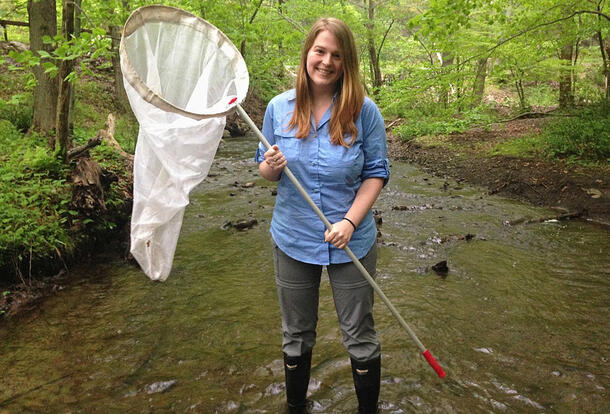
[334,140]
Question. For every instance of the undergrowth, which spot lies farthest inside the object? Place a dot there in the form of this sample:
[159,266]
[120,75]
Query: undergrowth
[34,200]
[443,124]
[582,136]
[41,231]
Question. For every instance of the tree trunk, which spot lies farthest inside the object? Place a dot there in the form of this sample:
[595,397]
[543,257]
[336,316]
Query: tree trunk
[566,98]
[604,48]
[119,89]
[62,128]
[242,46]
[446,60]
[573,68]
[43,22]
[88,191]
[521,93]
[77,30]
[373,57]
[478,88]
[607,47]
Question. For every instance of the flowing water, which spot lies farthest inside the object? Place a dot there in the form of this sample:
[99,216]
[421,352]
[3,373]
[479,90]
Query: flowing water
[520,322]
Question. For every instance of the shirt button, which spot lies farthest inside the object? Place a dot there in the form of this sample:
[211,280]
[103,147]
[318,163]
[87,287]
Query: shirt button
[316,190]
[313,163]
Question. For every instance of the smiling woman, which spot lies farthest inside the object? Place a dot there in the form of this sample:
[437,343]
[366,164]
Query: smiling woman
[332,38]
[334,140]
[324,67]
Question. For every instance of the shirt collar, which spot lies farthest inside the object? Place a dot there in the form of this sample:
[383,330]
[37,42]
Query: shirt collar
[292,96]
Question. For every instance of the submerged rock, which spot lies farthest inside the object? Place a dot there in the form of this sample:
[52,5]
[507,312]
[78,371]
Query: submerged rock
[441,268]
[241,224]
[160,386]
[377,217]
[244,224]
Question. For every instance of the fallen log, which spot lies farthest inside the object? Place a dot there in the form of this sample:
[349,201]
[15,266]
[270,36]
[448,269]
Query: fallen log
[88,179]
[4,22]
[563,216]
[529,115]
[104,135]
[87,190]
[391,124]
[108,137]
[9,45]
[82,149]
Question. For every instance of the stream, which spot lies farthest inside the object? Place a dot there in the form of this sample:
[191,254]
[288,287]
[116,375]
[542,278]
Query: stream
[519,322]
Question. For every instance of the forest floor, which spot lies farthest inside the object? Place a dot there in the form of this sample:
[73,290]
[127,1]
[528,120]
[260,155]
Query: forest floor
[466,157]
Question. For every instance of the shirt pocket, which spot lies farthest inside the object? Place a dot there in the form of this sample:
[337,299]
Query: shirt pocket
[289,144]
[344,165]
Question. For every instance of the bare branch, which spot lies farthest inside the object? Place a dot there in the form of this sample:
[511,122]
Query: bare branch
[103,135]
[5,23]
[83,12]
[255,11]
[384,36]
[81,149]
[426,49]
[295,24]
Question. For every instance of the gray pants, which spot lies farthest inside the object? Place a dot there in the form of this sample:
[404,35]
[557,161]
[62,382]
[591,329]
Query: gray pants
[298,291]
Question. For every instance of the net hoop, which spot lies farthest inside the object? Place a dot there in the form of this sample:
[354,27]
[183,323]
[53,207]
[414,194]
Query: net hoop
[164,14]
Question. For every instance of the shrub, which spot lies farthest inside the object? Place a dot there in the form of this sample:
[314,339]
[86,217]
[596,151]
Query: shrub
[420,126]
[33,202]
[18,110]
[584,137]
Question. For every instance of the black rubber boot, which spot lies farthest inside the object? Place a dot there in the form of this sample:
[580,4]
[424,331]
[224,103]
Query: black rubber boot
[367,380]
[297,371]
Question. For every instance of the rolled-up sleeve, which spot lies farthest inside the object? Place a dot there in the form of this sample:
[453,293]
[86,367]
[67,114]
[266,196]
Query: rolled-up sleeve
[267,132]
[374,145]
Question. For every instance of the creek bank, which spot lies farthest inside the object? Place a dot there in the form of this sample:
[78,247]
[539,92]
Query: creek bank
[103,200]
[556,184]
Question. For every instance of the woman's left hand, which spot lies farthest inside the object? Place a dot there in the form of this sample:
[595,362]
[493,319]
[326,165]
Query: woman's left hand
[340,234]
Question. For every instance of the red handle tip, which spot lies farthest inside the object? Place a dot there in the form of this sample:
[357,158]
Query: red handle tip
[435,365]
[232,101]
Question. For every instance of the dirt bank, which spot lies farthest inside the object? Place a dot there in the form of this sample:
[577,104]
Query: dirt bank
[465,157]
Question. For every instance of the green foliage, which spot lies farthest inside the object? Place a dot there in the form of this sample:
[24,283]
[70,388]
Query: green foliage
[86,48]
[584,137]
[533,145]
[542,95]
[34,199]
[126,133]
[415,127]
[18,111]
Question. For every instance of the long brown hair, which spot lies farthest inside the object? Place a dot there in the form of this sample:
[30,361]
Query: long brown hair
[349,90]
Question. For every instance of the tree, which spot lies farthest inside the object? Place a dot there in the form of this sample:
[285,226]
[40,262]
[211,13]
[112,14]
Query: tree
[64,89]
[43,22]
[373,55]
[478,88]
[604,45]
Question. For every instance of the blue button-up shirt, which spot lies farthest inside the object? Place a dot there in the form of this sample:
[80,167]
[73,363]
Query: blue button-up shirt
[331,175]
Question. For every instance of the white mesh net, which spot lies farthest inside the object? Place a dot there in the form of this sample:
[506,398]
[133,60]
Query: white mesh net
[182,75]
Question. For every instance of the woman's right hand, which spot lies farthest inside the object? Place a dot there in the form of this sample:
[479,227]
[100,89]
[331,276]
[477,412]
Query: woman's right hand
[274,163]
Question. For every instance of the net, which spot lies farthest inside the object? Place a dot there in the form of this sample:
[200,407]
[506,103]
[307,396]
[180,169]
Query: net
[182,76]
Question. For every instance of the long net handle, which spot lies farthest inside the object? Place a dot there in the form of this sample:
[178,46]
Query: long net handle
[427,355]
